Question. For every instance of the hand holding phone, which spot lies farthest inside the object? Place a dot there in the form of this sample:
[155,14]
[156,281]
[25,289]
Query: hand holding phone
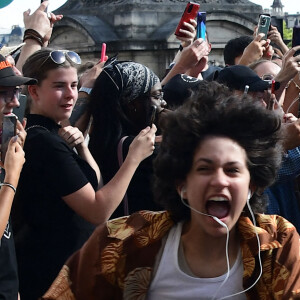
[190,12]
[9,128]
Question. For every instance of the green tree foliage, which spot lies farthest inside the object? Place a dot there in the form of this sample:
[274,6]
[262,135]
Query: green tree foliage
[287,34]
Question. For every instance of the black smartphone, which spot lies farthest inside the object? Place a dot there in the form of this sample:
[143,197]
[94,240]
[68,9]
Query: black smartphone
[201,25]
[20,111]
[190,12]
[152,115]
[264,24]
[296,38]
[9,127]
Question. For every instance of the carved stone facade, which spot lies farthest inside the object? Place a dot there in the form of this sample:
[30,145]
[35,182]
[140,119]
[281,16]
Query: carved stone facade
[143,30]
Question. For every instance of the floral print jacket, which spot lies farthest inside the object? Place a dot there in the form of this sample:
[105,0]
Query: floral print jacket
[118,259]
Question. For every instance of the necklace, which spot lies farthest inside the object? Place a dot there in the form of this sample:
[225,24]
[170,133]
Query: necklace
[34,126]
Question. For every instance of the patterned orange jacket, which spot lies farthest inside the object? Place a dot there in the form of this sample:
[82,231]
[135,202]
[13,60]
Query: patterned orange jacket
[118,259]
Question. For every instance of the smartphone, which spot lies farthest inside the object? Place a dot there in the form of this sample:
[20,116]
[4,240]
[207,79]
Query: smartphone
[20,111]
[201,25]
[190,12]
[296,38]
[264,25]
[9,127]
[103,52]
[152,115]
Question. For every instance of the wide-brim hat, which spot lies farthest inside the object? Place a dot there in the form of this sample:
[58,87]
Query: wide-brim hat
[9,78]
[238,76]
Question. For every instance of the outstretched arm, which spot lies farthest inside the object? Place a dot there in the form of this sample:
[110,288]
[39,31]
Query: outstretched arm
[98,207]
[39,22]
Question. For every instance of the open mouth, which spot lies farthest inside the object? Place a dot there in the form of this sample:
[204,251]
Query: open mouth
[218,207]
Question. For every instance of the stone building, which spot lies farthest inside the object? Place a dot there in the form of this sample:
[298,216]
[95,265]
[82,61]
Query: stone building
[143,30]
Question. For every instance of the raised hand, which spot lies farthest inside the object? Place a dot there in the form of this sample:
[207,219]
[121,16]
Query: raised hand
[143,144]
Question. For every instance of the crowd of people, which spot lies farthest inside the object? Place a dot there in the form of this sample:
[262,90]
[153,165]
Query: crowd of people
[121,185]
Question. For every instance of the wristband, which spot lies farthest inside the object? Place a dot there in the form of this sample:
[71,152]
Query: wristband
[85,89]
[9,185]
[180,48]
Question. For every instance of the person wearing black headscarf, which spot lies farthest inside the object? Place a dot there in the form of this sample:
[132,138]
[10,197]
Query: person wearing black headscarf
[121,102]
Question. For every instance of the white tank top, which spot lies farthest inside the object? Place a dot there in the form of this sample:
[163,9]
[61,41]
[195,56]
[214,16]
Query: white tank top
[171,283]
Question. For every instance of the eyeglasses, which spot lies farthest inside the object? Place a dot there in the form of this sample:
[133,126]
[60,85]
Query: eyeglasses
[159,97]
[267,77]
[8,95]
[59,57]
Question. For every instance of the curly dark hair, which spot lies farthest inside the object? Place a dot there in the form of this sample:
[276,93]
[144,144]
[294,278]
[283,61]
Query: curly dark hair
[240,118]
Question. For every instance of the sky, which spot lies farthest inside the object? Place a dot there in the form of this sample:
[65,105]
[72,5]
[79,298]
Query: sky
[13,13]
[290,6]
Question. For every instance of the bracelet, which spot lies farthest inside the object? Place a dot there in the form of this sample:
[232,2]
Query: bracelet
[180,48]
[9,185]
[34,35]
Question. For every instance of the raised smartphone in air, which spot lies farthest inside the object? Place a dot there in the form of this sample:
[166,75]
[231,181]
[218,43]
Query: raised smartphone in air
[201,25]
[103,52]
[264,23]
[9,127]
[190,12]
[296,38]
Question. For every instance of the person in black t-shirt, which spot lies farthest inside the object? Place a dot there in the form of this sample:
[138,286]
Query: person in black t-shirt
[60,197]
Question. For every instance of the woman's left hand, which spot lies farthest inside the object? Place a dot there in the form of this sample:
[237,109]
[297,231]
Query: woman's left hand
[72,135]
[143,144]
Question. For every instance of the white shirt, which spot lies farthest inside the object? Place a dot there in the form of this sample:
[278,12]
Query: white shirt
[171,283]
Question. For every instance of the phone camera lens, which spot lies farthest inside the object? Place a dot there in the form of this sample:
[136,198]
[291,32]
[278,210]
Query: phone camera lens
[190,8]
[263,21]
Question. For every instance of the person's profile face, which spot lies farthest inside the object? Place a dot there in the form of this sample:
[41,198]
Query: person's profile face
[55,96]
[217,184]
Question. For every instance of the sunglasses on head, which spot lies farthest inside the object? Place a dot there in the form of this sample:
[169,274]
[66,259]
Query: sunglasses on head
[59,57]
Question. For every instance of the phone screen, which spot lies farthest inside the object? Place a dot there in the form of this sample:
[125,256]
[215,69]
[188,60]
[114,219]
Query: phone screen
[201,25]
[8,131]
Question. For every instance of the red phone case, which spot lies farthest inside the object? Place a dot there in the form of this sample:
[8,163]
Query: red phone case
[190,12]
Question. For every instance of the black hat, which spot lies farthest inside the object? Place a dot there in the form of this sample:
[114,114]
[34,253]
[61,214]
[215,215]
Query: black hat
[238,76]
[178,89]
[8,76]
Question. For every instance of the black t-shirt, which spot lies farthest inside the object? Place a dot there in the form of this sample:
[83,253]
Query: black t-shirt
[9,284]
[47,230]
[139,192]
